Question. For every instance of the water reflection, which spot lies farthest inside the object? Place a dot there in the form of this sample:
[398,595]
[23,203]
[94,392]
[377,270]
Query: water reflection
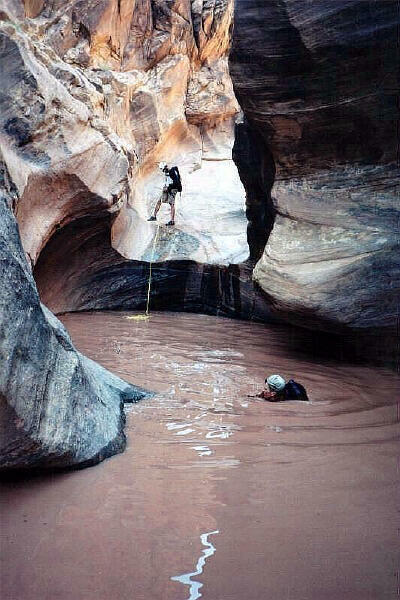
[186,579]
[202,450]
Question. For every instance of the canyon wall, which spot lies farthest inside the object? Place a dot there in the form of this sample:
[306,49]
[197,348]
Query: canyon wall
[93,99]
[318,82]
[97,277]
[96,96]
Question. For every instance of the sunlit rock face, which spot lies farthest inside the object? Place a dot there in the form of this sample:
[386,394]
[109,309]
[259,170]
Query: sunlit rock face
[318,80]
[94,98]
[196,133]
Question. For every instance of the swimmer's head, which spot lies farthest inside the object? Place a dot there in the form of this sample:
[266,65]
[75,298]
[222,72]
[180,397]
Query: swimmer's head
[275,383]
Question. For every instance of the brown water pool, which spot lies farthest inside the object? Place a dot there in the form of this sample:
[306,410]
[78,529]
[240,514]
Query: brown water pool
[218,496]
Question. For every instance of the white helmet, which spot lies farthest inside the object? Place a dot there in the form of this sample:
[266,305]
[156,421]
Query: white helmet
[276,383]
[162,165]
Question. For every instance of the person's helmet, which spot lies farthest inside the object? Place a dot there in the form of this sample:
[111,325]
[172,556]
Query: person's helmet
[276,383]
[162,166]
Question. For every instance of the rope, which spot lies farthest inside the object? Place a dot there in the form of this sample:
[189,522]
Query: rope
[150,270]
[147,312]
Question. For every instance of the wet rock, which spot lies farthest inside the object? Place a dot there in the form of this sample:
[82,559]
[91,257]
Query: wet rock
[317,80]
[97,277]
[58,408]
[256,168]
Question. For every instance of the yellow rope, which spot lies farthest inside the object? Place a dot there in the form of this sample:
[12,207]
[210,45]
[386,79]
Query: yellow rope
[147,313]
[150,269]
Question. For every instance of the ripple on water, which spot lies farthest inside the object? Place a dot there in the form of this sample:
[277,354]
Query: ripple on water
[304,493]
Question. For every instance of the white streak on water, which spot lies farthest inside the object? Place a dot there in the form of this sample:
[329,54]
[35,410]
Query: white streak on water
[202,450]
[186,578]
[219,433]
[184,431]
[204,414]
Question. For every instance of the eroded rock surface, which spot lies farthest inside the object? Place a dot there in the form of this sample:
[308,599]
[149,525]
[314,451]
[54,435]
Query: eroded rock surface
[318,80]
[58,408]
[95,97]
[97,277]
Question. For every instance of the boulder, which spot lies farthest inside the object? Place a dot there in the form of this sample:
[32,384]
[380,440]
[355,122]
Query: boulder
[58,408]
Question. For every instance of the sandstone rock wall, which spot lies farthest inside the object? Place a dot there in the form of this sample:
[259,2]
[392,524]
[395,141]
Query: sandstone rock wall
[57,407]
[319,81]
[96,96]
[97,277]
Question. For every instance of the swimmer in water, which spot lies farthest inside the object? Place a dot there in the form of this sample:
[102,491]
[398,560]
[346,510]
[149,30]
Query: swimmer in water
[276,390]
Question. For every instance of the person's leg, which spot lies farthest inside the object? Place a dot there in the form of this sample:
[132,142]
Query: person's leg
[172,196]
[157,207]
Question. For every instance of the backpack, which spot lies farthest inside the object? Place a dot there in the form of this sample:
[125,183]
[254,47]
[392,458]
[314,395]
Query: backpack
[295,391]
[176,178]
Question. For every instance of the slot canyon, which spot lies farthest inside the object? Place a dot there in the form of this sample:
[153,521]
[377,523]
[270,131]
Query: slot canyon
[136,341]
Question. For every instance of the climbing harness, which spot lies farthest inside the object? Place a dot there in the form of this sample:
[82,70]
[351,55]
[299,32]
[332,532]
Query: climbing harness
[146,315]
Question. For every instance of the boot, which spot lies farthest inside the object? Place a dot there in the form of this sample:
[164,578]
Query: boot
[170,223]
[152,218]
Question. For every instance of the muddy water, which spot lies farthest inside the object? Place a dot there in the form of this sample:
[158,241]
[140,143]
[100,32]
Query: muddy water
[217,496]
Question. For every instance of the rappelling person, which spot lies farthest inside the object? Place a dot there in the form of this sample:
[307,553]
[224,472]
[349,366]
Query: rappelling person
[172,186]
[276,390]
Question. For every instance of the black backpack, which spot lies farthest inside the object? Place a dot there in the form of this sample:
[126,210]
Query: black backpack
[176,178]
[295,391]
